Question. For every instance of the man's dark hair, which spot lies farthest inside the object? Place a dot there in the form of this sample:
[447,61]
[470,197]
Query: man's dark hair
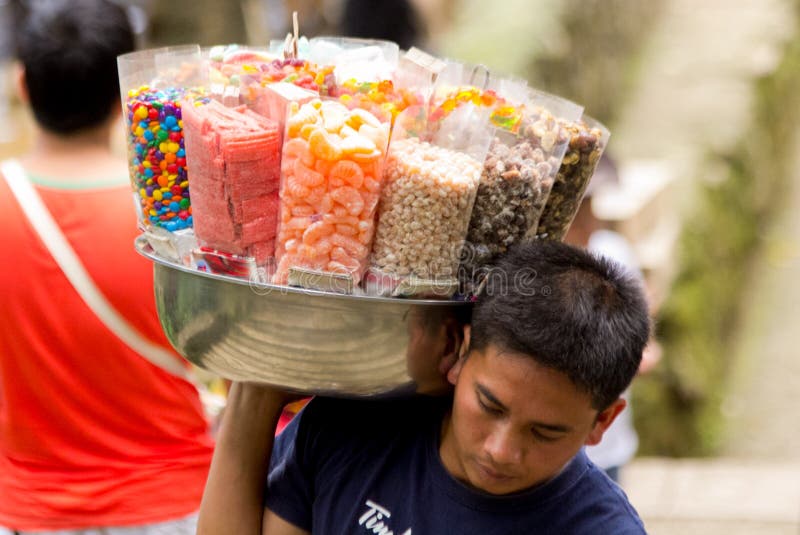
[69,49]
[393,20]
[580,314]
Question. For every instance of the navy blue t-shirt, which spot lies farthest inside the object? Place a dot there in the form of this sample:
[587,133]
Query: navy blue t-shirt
[356,467]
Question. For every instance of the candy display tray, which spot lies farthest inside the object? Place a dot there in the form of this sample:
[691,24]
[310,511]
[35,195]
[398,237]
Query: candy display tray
[302,340]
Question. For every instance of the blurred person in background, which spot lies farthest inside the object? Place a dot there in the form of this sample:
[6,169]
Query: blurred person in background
[620,442]
[7,133]
[392,20]
[94,438]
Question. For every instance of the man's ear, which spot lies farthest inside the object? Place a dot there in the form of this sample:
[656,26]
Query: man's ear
[19,83]
[454,341]
[463,349]
[604,420]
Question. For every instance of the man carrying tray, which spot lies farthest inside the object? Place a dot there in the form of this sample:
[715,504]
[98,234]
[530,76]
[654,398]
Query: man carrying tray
[556,337]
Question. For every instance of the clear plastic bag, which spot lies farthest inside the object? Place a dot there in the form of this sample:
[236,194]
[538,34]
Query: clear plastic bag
[517,177]
[153,84]
[332,169]
[234,155]
[588,139]
[430,183]
[365,60]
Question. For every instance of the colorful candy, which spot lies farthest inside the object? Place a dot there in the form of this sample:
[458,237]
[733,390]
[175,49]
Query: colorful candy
[158,156]
[504,114]
[382,99]
[332,170]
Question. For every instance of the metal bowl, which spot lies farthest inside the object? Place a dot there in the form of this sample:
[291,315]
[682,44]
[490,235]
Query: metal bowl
[304,340]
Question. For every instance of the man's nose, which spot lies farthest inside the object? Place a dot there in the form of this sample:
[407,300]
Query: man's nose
[504,446]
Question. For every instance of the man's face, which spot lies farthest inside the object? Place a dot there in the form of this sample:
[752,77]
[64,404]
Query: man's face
[515,424]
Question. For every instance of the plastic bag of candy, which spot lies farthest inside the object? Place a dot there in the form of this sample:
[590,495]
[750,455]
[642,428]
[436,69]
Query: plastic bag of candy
[332,170]
[153,84]
[588,139]
[517,176]
[430,182]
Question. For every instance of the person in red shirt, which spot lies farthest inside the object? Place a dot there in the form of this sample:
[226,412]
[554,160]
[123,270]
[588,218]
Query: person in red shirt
[92,435]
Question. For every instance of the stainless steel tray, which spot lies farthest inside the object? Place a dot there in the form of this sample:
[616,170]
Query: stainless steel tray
[303,340]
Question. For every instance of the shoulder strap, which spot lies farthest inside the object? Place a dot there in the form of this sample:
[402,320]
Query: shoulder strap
[50,233]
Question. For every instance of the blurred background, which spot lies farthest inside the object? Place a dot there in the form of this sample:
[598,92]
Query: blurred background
[703,102]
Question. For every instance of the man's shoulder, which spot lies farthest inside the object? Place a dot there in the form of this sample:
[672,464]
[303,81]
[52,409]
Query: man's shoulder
[360,423]
[394,413]
[594,501]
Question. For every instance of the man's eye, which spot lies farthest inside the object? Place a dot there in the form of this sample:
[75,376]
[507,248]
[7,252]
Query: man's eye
[487,408]
[541,436]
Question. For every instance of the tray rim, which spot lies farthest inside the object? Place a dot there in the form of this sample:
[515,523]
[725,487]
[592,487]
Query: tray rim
[144,249]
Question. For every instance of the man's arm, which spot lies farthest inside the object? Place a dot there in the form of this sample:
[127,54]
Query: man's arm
[233,501]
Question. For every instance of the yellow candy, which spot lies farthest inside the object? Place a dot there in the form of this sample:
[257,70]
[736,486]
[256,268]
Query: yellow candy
[140,113]
[333,120]
[173,147]
[163,147]
[348,131]
[306,130]
[153,212]
[324,145]
[143,192]
[157,195]
[146,164]
[359,117]
[379,137]
[184,184]
[139,131]
[357,144]
[308,114]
